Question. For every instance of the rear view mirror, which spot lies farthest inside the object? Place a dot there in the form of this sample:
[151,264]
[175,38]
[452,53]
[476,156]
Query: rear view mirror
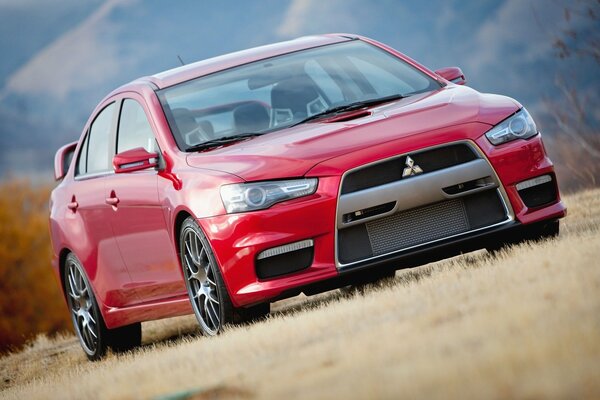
[134,160]
[452,74]
[62,160]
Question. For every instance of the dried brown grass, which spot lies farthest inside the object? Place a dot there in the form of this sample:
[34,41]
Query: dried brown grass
[524,323]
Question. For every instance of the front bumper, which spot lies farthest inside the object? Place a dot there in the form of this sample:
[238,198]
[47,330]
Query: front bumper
[238,239]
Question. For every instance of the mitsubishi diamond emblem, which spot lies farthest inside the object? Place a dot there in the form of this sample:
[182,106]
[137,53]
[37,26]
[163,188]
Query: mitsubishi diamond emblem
[411,168]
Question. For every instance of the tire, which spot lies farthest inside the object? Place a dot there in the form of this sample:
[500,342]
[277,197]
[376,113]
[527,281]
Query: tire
[206,289]
[125,338]
[534,232]
[544,230]
[95,338]
[252,314]
[362,285]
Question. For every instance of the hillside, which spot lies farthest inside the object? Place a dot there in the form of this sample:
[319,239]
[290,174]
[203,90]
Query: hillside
[522,323]
[59,62]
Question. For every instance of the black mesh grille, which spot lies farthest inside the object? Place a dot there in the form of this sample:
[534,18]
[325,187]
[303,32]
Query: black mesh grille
[416,226]
[420,225]
[391,170]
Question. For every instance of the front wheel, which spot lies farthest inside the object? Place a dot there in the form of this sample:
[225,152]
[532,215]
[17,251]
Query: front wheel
[534,232]
[362,284]
[206,288]
[546,230]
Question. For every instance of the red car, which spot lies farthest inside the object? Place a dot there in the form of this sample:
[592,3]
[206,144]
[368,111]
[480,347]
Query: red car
[220,186]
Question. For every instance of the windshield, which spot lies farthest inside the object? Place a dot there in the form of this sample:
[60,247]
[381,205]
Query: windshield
[278,92]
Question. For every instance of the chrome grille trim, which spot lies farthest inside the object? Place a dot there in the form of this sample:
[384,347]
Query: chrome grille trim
[499,189]
[413,192]
[394,169]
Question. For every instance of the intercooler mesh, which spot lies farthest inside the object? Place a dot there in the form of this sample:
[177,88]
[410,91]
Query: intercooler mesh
[416,226]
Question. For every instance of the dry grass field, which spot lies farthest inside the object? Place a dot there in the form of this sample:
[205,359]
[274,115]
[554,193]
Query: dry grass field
[524,323]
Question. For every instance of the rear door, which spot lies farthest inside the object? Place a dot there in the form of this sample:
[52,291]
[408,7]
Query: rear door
[137,217]
[92,238]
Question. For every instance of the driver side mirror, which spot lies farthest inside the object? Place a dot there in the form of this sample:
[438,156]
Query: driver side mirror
[62,160]
[452,74]
[134,160]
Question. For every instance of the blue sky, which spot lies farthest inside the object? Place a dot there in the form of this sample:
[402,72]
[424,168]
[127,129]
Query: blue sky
[60,57]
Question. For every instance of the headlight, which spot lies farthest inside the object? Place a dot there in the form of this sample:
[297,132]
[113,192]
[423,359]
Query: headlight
[240,197]
[519,126]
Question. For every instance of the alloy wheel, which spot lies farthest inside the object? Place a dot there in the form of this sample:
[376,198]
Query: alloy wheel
[201,282]
[82,308]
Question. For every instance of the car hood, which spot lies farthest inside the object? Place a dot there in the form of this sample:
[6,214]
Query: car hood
[293,152]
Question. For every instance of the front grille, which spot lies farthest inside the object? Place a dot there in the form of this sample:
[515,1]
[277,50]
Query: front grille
[391,170]
[420,225]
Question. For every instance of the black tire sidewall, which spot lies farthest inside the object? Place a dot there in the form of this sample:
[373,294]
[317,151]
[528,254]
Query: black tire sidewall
[226,307]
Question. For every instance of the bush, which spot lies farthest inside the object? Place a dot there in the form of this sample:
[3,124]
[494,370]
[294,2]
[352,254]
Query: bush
[30,300]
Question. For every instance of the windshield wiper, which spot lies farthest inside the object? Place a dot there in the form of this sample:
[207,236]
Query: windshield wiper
[350,107]
[334,110]
[221,141]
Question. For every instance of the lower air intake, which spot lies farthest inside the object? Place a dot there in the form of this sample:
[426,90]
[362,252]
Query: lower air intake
[420,225]
[283,263]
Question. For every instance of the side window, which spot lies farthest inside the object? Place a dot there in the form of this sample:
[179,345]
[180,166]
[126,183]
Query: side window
[94,157]
[134,128]
[99,139]
[82,161]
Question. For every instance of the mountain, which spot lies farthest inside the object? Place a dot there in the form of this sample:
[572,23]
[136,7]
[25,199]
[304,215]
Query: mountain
[63,56]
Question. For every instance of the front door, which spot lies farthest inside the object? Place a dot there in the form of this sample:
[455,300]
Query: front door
[137,217]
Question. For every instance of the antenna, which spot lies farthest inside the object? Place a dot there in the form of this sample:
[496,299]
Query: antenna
[180,60]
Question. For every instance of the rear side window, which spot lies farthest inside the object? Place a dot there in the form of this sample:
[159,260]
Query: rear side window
[94,154]
[134,128]
[82,162]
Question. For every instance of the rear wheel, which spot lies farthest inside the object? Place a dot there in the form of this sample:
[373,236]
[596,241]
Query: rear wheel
[87,321]
[126,337]
[94,336]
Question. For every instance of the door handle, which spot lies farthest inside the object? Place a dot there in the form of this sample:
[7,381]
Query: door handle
[113,200]
[73,204]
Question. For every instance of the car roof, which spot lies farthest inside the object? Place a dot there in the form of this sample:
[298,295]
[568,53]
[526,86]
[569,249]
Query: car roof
[200,68]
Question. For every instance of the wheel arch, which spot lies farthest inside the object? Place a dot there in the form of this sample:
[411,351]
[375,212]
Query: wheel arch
[62,258]
[181,216]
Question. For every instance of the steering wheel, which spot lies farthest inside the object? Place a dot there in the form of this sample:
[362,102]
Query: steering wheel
[196,136]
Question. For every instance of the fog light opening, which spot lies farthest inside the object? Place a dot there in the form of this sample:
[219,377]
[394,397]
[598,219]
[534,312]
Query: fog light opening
[537,192]
[284,260]
[533,182]
[287,248]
